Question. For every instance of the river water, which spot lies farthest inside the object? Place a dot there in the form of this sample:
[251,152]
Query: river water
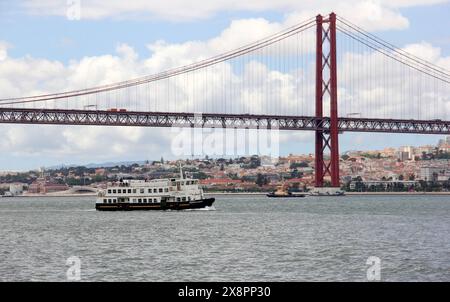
[246,238]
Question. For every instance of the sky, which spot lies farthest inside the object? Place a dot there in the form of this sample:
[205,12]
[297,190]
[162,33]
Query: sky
[42,41]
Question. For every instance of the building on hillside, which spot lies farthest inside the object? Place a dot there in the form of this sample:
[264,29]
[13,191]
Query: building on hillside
[431,173]
[403,155]
[41,186]
[16,189]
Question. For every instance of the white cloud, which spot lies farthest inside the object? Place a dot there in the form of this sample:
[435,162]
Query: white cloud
[377,87]
[3,50]
[372,14]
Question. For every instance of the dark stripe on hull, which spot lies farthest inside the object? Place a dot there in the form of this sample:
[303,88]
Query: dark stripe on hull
[285,196]
[198,204]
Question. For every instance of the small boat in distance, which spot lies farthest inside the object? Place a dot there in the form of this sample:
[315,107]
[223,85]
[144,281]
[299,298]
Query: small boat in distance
[158,194]
[282,192]
[327,191]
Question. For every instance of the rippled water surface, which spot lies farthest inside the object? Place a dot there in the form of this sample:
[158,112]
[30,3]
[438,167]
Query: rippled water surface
[247,238]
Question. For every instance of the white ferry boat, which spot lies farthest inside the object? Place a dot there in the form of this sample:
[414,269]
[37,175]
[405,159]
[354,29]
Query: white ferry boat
[158,194]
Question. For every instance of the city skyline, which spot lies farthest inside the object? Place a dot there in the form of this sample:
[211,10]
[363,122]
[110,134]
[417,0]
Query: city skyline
[409,152]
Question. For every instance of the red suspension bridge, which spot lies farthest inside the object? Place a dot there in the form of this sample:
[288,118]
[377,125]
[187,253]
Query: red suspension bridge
[288,81]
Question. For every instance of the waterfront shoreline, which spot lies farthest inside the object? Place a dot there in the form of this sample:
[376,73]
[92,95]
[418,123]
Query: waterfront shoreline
[259,194]
[346,193]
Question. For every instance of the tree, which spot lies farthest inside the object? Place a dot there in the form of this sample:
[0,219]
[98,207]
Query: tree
[200,175]
[302,164]
[261,180]
[255,162]
[296,174]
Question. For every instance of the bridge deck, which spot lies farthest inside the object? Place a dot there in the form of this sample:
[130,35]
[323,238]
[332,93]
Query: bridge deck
[210,120]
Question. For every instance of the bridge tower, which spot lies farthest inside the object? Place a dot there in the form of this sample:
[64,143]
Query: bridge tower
[326,89]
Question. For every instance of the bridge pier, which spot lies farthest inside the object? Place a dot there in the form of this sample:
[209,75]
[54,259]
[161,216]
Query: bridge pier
[326,86]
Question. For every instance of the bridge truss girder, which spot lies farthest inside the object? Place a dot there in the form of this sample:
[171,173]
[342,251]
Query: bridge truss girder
[210,120]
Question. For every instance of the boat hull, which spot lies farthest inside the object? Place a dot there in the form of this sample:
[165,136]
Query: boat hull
[197,204]
[286,196]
